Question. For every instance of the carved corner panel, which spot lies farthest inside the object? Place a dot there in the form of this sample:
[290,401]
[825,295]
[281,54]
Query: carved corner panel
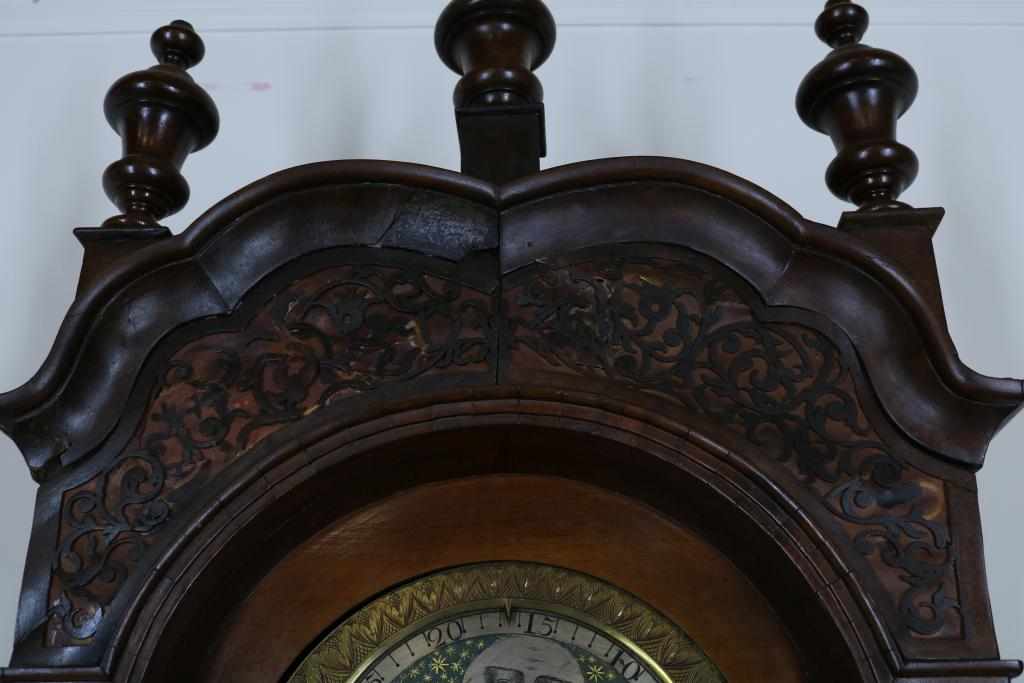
[338,333]
[659,322]
[678,326]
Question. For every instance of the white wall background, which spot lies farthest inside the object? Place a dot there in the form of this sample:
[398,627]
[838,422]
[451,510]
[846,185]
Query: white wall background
[711,80]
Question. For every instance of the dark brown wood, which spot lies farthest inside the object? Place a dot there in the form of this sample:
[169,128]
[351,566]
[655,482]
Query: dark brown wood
[162,116]
[645,369]
[495,45]
[563,447]
[723,211]
[523,240]
[543,519]
[856,95]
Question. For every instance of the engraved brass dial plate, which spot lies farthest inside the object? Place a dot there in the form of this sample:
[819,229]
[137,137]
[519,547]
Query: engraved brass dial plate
[507,622]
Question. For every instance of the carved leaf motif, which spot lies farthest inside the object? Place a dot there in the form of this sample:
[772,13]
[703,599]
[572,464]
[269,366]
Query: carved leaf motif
[686,330]
[682,329]
[335,334]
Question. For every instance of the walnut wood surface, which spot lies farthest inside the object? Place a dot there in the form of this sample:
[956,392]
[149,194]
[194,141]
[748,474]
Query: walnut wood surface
[495,46]
[162,116]
[351,373]
[468,456]
[881,298]
[856,95]
[339,293]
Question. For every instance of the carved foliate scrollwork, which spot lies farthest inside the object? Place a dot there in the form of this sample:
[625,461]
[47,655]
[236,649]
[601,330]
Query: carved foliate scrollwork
[687,330]
[677,326]
[341,332]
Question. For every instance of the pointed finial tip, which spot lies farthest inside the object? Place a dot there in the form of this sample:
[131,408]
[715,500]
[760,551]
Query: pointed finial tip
[842,23]
[177,43]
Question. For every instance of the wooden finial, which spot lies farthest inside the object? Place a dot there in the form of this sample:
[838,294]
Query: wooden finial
[162,116]
[842,23]
[856,95]
[495,45]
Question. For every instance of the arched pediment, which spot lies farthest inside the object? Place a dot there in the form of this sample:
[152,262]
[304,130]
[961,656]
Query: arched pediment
[639,398]
[889,311]
[348,291]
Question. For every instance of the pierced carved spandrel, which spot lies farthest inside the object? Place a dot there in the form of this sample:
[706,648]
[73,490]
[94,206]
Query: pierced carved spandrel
[341,332]
[686,330]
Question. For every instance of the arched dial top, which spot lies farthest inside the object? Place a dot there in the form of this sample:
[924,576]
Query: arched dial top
[510,641]
[507,622]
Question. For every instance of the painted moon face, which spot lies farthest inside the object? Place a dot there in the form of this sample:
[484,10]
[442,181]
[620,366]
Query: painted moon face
[524,659]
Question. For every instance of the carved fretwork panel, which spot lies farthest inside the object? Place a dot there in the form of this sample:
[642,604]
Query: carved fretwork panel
[679,327]
[341,332]
[659,324]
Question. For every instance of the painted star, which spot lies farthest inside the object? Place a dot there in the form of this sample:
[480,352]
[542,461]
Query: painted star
[438,664]
[595,673]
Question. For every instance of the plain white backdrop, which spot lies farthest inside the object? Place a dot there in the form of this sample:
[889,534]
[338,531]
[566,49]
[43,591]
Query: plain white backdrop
[298,81]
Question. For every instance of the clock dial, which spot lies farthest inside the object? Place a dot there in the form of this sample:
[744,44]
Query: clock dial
[507,623]
[511,642]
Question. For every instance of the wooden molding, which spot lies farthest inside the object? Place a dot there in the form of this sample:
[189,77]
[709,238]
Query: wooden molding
[336,335]
[54,434]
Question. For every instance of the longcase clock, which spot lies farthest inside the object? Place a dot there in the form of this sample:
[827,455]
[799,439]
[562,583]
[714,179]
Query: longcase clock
[626,421]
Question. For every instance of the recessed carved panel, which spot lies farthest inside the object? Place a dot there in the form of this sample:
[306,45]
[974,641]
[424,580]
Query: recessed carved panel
[682,328]
[341,332]
[663,322]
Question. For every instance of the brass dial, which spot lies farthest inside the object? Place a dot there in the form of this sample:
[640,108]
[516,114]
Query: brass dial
[507,622]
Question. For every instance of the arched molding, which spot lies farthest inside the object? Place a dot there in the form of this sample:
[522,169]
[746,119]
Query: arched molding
[117,321]
[348,461]
[837,384]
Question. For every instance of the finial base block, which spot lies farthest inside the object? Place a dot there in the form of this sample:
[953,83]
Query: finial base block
[105,245]
[495,45]
[500,144]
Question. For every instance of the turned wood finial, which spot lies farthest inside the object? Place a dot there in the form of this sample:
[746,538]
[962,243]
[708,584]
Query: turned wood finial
[162,116]
[495,45]
[856,95]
